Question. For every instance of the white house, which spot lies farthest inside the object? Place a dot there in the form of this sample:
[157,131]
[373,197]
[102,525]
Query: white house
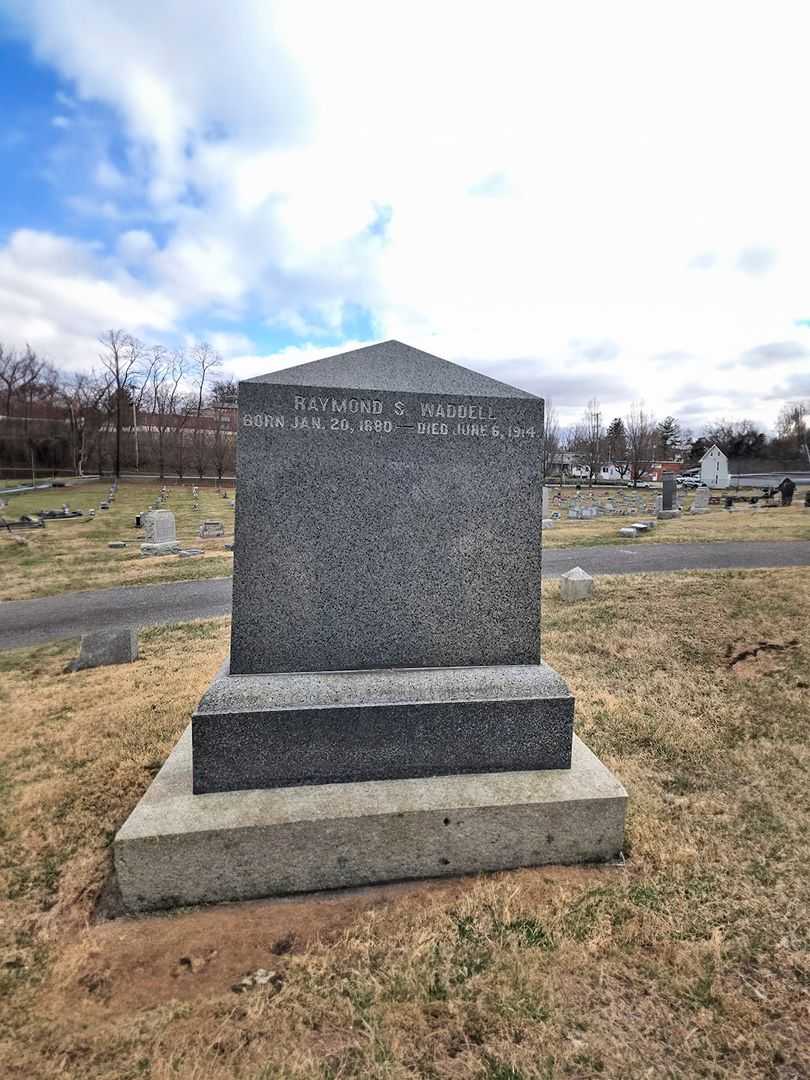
[714,468]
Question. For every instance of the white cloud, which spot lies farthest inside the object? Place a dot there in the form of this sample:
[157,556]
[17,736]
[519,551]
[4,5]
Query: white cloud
[529,188]
[58,295]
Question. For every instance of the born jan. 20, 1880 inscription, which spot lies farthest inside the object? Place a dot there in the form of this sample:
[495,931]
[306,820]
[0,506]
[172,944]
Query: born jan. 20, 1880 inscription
[390,415]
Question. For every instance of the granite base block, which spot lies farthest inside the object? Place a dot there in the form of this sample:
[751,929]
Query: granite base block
[178,848]
[286,730]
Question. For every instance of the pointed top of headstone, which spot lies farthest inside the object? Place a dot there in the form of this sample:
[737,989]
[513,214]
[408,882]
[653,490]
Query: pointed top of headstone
[392,365]
[577,574]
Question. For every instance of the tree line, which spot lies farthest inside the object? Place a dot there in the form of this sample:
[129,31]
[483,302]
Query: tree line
[172,411]
[634,443]
[142,407]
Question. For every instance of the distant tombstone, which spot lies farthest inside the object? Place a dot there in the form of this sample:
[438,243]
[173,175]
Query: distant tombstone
[103,647]
[211,529]
[700,503]
[160,533]
[669,508]
[546,501]
[117,544]
[576,585]
[104,505]
[159,527]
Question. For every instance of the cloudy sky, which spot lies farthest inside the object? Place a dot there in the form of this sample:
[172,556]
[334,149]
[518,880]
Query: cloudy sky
[587,199]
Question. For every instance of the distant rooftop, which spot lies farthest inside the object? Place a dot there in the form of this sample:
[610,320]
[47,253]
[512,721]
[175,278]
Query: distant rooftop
[392,365]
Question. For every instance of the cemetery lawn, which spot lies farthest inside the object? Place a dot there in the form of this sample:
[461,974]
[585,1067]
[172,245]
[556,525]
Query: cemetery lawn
[779,523]
[73,554]
[688,960]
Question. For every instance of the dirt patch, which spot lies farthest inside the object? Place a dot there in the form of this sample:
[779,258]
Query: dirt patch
[750,661]
[132,963]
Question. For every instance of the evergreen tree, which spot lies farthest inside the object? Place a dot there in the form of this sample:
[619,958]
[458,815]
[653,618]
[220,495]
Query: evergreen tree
[617,440]
[668,435]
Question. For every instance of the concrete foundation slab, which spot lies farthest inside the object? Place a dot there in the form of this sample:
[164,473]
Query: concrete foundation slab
[177,848]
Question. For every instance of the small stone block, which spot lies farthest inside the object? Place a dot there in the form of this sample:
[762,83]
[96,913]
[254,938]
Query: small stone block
[117,544]
[576,585]
[177,848]
[627,531]
[104,647]
[186,553]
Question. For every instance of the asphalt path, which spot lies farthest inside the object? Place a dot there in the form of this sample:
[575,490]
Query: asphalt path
[30,622]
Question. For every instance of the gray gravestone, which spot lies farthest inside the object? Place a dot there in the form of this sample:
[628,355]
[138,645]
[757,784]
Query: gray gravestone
[211,529]
[387,535]
[159,527]
[104,647]
[160,532]
[386,669]
[669,508]
[388,517]
[700,503]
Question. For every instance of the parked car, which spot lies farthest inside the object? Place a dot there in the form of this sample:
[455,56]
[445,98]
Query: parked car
[638,483]
[689,481]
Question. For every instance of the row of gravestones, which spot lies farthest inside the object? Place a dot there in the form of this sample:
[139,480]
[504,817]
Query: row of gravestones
[160,534]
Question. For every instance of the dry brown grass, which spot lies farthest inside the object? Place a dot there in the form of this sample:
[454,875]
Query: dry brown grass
[779,523]
[689,961]
[73,554]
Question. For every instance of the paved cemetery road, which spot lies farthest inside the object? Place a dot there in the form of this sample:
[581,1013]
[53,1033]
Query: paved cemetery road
[29,622]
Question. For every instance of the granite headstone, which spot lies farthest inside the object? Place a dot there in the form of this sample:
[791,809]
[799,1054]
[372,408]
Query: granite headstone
[387,543]
[386,713]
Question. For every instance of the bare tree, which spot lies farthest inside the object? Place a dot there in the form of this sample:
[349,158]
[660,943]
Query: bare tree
[793,425]
[121,357]
[551,438]
[165,401]
[640,436]
[204,360]
[86,397]
[587,439]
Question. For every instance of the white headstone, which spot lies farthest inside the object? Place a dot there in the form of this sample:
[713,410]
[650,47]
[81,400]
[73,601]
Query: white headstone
[576,585]
[159,527]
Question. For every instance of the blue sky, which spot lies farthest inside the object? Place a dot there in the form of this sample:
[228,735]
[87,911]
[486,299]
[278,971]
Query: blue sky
[586,202]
